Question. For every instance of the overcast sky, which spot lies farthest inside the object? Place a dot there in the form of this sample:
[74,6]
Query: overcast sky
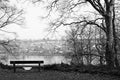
[34,27]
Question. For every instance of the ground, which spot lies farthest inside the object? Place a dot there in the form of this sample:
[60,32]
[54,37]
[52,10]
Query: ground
[52,75]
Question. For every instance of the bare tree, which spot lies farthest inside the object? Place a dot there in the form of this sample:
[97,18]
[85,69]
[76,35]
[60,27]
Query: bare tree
[69,13]
[106,9]
[73,43]
[9,14]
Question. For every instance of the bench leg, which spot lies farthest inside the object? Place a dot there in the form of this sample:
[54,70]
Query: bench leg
[14,67]
[39,67]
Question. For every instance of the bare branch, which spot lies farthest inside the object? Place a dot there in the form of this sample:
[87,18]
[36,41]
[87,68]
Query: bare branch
[97,6]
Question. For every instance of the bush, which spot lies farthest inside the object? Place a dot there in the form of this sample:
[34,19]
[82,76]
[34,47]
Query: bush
[4,66]
[61,67]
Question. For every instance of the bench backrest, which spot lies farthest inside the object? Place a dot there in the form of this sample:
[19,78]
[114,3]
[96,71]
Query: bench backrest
[25,62]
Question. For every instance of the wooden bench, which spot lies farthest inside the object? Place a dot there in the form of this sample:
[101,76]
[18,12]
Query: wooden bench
[25,62]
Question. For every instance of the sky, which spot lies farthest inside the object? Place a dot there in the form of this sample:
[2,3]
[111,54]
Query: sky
[34,27]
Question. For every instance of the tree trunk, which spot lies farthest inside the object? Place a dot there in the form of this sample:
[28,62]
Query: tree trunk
[109,22]
[115,39]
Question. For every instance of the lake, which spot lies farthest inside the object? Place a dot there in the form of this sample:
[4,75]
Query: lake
[47,59]
[54,59]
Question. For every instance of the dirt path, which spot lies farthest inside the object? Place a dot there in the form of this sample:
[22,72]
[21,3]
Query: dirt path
[52,75]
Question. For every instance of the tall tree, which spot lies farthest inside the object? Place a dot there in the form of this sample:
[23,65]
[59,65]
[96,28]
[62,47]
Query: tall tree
[69,13]
[106,11]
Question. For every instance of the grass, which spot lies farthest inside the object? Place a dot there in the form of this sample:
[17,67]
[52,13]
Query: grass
[54,72]
[53,75]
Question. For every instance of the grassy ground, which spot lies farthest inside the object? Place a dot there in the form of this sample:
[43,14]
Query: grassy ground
[6,74]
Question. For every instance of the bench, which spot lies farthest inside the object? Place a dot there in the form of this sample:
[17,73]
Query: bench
[25,62]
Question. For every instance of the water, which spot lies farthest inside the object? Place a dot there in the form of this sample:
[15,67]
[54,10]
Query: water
[47,59]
